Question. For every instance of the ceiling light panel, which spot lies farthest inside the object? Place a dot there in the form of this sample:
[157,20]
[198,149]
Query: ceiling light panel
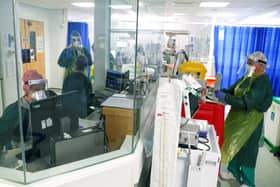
[214,4]
[84,4]
[178,14]
[121,7]
[184,2]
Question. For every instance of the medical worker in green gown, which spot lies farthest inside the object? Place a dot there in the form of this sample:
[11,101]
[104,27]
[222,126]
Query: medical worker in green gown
[249,98]
[68,56]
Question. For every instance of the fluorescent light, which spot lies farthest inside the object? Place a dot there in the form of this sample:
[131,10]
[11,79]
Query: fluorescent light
[214,4]
[121,7]
[225,15]
[269,14]
[121,44]
[262,19]
[84,4]
[178,14]
[131,13]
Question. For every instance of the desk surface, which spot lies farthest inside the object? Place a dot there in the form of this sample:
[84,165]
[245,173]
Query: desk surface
[122,101]
[86,123]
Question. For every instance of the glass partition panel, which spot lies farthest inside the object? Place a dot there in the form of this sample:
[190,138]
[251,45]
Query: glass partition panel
[150,39]
[81,89]
[123,46]
[13,109]
[75,101]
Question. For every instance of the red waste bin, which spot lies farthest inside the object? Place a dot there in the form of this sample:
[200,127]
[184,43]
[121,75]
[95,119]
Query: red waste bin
[183,114]
[214,114]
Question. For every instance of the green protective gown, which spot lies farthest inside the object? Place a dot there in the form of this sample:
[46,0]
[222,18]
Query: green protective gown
[249,98]
[68,57]
[9,122]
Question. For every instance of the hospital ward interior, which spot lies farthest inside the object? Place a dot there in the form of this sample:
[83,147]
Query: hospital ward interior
[139,93]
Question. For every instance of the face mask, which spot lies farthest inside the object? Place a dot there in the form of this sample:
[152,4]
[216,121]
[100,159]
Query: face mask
[38,95]
[76,44]
[250,69]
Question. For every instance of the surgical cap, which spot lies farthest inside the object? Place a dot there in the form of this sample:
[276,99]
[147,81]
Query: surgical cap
[257,57]
[30,75]
[75,34]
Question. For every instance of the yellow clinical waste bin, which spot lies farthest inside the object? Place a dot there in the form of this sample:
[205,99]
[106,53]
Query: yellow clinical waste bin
[197,69]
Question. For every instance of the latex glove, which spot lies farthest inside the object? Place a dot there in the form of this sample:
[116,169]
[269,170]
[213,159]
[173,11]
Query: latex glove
[220,95]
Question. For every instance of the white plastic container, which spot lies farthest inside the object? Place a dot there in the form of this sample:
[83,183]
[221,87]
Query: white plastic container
[199,168]
[272,123]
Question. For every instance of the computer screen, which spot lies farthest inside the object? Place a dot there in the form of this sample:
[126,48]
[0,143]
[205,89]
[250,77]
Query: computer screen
[193,104]
[190,88]
[55,115]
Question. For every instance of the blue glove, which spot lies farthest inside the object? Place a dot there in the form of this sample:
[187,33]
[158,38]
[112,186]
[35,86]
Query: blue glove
[220,95]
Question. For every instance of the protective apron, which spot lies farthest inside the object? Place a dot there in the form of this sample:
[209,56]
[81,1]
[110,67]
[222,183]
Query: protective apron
[239,125]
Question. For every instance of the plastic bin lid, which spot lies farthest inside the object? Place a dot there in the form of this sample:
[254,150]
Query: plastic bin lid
[276,100]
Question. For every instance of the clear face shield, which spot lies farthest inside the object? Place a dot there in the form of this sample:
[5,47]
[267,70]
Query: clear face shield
[251,63]
[37,89]
[76,41]
[250,67]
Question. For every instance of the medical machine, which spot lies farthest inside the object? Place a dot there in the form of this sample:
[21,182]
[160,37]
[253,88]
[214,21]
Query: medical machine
[185,151]
[199,166]
[198,154]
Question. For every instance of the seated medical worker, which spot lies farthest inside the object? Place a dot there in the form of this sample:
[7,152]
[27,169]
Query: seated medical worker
[77,80]
[34,89]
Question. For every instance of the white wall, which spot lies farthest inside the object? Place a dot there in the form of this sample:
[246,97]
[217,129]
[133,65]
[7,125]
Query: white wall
[9,81]
[55,30]
[57,41]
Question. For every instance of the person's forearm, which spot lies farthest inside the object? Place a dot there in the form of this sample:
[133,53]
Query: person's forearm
[235,101]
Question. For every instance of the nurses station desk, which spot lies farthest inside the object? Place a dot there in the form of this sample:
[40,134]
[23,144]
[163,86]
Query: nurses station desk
[119,115]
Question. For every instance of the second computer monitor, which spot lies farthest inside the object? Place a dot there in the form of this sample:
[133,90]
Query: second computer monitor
[55,115]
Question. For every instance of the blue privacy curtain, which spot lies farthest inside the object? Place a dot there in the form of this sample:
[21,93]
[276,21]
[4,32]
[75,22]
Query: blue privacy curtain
[82,28]
[233,44]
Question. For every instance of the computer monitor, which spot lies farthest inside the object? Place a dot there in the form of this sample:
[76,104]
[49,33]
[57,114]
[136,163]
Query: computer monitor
[54,116]
[190,95]
[193,104]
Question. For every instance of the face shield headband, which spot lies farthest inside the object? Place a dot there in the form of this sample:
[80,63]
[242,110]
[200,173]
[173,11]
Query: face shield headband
[37,81]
